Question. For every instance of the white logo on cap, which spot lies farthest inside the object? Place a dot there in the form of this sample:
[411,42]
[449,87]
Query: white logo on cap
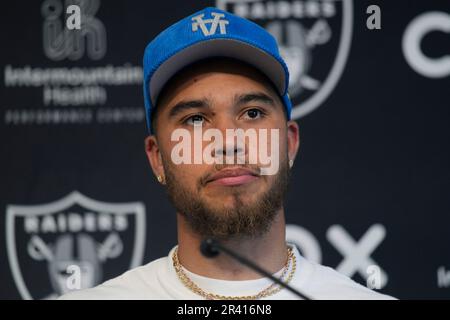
[198,21]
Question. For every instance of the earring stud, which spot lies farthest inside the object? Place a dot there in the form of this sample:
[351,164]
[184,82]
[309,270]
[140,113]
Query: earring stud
[159,178]
[291,163]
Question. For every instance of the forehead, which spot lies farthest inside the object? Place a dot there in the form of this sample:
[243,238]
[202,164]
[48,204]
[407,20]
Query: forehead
[227,75]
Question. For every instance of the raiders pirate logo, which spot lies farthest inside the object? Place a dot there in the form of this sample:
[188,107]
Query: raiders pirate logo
[314,38]
[43,241]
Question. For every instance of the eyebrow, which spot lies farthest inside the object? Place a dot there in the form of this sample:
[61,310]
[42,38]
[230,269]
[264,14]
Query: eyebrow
[187,105]
[254,97]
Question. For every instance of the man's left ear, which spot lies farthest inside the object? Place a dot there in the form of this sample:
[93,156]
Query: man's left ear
[293,140]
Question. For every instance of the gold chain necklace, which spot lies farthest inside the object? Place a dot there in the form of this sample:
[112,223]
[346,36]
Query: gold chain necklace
[270,290]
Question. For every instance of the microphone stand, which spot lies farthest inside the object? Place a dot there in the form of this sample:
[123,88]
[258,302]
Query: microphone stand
[211,248]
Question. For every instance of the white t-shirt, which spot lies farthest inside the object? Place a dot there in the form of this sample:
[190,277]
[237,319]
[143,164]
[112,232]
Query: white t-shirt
[158,280]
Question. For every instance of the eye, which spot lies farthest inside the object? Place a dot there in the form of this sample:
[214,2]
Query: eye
[195,119]
[254,113]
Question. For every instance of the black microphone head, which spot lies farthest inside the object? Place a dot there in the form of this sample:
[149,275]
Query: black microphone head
[209,249]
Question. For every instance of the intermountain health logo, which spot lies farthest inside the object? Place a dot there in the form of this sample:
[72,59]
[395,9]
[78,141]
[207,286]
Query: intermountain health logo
[60,43]
[314,38]
[75,85]
[102,239]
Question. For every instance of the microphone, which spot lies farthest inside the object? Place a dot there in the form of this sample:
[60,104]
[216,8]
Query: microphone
[211,248]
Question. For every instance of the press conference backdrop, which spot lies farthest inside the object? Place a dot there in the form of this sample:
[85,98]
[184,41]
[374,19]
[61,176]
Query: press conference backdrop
[370,189]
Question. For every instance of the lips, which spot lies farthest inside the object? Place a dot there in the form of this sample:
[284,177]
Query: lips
[233,177]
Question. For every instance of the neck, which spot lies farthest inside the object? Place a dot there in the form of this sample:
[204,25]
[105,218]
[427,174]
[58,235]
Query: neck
[268,251]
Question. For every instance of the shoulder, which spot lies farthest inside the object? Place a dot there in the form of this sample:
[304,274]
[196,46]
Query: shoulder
[326,283]
[137,284]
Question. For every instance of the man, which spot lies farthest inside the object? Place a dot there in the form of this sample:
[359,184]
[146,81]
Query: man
[216,71]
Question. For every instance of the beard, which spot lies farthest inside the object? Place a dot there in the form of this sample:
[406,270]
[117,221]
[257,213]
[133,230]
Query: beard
[243,220]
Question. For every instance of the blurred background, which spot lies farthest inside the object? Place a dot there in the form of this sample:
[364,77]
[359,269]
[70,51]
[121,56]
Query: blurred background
[370,189]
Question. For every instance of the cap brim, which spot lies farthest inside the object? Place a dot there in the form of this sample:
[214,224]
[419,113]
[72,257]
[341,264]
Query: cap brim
[219,47]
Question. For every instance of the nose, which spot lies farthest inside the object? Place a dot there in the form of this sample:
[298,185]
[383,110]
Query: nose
[233,148]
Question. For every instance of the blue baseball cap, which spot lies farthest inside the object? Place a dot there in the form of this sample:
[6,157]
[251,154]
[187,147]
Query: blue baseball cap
[211,32]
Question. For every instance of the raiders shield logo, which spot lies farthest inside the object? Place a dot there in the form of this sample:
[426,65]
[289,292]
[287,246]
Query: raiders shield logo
[44,241]
[314,37]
